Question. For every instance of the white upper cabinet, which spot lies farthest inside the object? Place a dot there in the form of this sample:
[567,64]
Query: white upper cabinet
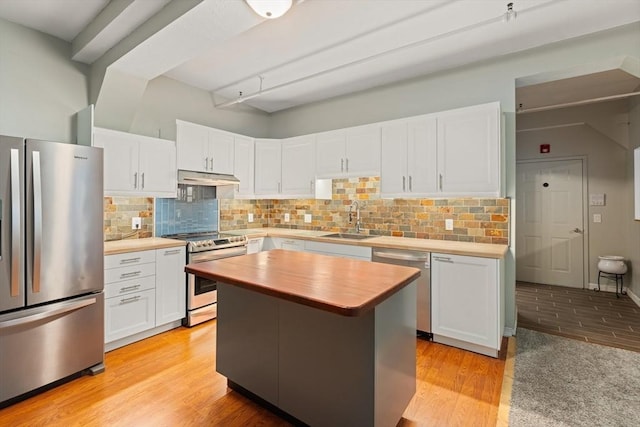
[268,165]
[285,168]
[469,151]
[243,165]
[204,149]
[348,152]
[409,157]
[137,165]
[298,166]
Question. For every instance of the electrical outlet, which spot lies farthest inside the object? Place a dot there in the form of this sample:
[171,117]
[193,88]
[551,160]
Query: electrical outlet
[287,217]
[250,217]
[597,217]
[307,218]
[448,224]
[136,223]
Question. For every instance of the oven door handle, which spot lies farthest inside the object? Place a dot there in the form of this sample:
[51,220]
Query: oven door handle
[217,254]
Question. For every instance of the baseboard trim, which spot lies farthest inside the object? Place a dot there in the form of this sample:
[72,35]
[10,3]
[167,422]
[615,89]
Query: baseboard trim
[604,287]
[633,297]
[509,332]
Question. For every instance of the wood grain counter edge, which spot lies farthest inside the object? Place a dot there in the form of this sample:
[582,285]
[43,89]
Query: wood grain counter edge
[281,266]
[134,245]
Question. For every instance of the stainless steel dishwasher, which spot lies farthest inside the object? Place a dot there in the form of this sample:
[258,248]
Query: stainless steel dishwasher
[422,261]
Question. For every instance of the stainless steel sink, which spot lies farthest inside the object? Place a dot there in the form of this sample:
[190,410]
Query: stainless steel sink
[349,236]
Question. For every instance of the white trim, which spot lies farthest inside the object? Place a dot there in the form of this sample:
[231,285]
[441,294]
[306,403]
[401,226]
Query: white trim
[585,207]
[509,332]
[604,287]
[633,297]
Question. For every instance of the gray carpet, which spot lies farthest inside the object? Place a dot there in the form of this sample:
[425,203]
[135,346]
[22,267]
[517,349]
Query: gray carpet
[564,382]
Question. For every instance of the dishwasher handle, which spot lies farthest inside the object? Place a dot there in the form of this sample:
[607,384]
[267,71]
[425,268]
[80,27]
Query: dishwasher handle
[423,257]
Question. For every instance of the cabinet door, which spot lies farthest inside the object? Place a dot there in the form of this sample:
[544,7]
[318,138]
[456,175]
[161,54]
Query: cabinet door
[298,166]
[221,151]
[171,285]
[192,143]
[268,164]
[129,314]
[330,160]
[254,245]
[469,151]
[120,161]
[243,164]
[157,167]
[393,163]
[422,143]
[464,299]
[362,151]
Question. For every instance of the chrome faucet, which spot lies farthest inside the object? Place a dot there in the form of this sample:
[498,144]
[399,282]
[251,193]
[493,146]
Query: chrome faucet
[355,203]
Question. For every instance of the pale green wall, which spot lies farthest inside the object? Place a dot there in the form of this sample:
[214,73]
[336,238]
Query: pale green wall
[40,88]
[482,82]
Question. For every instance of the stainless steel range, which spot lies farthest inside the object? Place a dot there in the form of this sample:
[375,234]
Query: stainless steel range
[202,294]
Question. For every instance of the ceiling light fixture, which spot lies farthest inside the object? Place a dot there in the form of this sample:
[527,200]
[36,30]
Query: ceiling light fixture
[270,9]
[510,14]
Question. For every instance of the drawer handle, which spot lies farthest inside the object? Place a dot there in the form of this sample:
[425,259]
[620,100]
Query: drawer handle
[129,288]
[172,252]
[130,299]
[132,274]
[443,259]
[129,260]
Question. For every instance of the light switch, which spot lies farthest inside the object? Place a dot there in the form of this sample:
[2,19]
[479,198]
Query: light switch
[307,218]
[448,224]
[597,217]
[250,217]
[287,217]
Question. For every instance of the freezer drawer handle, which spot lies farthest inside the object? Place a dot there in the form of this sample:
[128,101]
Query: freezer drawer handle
[46,314]
[37,221]
[15,222]
[129,260]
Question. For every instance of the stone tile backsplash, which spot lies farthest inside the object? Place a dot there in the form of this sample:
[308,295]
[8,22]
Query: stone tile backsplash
[480,220]
[118,212]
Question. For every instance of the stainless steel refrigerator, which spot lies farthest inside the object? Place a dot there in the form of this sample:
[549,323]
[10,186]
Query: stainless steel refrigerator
[51,263]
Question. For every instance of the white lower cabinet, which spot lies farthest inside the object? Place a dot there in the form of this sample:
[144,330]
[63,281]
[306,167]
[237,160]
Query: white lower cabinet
[145,292]
[466,302]
[336,249]
[254,245]
[129,314]
[171,294]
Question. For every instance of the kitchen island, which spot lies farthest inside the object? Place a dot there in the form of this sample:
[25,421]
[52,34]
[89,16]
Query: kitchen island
[324,340]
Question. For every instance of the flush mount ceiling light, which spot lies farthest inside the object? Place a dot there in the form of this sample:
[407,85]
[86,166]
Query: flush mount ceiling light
[510,14]
[270,9]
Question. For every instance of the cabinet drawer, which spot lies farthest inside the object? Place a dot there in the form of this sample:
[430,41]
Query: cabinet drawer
[128,259]
[129,286]
[129,314]
[345,251]
[129,272]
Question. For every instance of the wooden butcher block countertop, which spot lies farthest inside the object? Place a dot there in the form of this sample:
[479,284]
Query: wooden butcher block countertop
[343,286]
[134,245]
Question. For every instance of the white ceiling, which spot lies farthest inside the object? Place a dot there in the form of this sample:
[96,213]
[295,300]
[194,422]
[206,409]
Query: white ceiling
[320,48]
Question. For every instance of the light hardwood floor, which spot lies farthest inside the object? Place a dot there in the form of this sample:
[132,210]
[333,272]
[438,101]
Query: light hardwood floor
[170,380]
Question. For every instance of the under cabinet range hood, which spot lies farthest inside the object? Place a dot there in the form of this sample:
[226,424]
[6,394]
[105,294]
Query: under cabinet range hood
[207,179]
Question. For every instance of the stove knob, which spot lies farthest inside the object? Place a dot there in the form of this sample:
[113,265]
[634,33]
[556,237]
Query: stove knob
[209,242]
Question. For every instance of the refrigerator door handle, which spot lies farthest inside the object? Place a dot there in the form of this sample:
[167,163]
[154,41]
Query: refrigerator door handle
[15,222]
[37,221]
[64,308]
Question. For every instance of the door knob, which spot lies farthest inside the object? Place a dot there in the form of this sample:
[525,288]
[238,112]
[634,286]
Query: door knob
[577,230]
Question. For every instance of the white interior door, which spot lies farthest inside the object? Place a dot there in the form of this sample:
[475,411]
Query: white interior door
[549,223]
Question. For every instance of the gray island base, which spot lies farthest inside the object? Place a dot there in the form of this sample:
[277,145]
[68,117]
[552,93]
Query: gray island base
[309,361]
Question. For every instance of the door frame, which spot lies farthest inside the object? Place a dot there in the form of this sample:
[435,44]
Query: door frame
[585,208]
